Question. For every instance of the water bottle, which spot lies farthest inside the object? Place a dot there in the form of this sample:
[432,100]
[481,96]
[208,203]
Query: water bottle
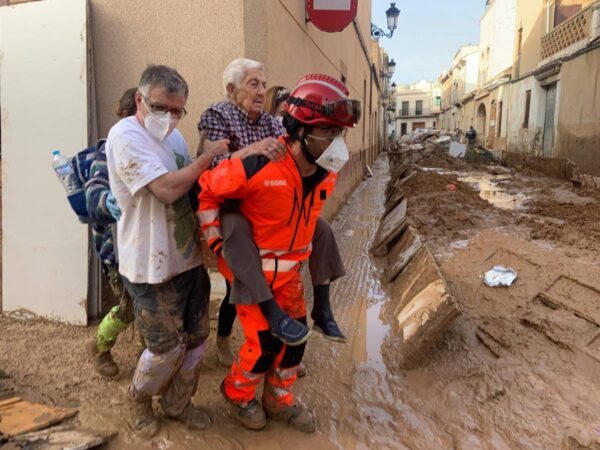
[64,172]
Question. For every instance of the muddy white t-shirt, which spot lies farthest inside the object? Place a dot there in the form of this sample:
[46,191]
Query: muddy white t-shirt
[155,241]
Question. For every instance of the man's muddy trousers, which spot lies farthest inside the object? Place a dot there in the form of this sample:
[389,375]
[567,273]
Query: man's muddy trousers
[173,319]
[263,356]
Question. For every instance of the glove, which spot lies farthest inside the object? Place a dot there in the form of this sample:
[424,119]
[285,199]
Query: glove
[113,207]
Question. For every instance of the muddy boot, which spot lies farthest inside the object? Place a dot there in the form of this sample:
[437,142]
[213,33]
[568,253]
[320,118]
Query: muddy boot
[143,421]
[103,362]
[195,418]
[301,371]
[224,353]
[250,414]
[296,415]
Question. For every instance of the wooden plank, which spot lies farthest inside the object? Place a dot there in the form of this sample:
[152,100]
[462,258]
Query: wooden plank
[22,416]
[390,227]
[401,254]
[9,401]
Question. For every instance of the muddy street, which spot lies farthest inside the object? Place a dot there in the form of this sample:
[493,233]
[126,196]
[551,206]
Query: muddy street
[518,368]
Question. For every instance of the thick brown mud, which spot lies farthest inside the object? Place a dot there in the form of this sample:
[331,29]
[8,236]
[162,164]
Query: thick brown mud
[518,369]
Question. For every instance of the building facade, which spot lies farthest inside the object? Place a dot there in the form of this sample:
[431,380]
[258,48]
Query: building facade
[458,86]
[416,106]
[554,100]
[540,98]
[497,34]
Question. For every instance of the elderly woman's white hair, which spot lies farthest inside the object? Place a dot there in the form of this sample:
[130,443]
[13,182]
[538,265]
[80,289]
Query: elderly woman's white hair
[236,71]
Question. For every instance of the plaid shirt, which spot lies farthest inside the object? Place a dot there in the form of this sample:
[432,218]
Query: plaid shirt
[224,120]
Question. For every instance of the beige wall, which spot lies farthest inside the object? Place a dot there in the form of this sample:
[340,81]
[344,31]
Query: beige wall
[531,18]
[294,48]
[198,40]
[578,131]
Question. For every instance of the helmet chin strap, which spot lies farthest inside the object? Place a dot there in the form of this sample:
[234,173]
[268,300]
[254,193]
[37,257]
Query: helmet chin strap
[310,158]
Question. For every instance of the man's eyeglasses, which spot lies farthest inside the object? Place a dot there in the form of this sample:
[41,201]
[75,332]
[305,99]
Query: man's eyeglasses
[179,113]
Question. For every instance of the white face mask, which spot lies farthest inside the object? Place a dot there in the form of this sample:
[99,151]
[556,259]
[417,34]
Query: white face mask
[335,156]
[159,124]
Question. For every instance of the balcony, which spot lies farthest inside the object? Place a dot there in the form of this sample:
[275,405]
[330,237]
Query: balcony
[575,29]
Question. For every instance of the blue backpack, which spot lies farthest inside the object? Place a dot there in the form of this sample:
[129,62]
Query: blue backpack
[81,164]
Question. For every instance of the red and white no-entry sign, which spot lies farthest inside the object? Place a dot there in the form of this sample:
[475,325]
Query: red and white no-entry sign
[331,15]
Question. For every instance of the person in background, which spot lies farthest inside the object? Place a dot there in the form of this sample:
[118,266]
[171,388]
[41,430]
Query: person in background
[275,98]
[104,211]
[471,136]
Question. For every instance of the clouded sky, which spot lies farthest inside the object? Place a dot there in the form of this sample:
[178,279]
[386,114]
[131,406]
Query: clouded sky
[429,34]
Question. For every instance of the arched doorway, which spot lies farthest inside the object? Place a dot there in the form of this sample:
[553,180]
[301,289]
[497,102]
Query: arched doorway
[480,124]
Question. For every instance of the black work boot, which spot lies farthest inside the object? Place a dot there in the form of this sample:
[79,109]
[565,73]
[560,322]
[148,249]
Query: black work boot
[289,331]
[322,315]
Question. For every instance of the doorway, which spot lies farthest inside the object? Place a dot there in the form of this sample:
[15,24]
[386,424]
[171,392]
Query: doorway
[492,130]
[549,120]
[480,123]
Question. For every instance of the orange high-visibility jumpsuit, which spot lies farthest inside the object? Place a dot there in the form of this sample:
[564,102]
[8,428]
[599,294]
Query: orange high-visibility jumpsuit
[282,209]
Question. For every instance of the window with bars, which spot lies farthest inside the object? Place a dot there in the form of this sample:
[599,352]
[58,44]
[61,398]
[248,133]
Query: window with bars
[419,108]
[405,108]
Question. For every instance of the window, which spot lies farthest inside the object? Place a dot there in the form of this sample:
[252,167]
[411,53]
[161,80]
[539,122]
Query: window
[438,100]
[527,107]
[405,108]
[419,108]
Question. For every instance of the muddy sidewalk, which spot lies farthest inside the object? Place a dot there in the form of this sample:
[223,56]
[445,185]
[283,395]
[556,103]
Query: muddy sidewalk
[517,369]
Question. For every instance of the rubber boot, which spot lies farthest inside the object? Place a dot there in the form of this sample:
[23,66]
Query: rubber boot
[108,330]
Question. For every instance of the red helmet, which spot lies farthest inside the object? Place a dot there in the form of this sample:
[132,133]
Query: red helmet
[322,100]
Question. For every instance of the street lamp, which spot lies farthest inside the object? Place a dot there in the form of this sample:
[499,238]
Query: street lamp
[392,22]
[391,67]
[393,88]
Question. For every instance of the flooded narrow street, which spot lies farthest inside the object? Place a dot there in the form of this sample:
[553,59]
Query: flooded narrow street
[510,372]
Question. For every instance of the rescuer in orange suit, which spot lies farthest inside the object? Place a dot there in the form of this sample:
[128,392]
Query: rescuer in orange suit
[282,201]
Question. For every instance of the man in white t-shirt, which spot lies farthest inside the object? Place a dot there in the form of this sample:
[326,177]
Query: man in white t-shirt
[150,174]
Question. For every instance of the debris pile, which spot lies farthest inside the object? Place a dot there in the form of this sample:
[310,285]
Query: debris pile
[419,144]
[422,302]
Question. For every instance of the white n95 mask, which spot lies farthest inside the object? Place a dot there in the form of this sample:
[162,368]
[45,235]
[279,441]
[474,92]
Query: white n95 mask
[160,125]
[335,156]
